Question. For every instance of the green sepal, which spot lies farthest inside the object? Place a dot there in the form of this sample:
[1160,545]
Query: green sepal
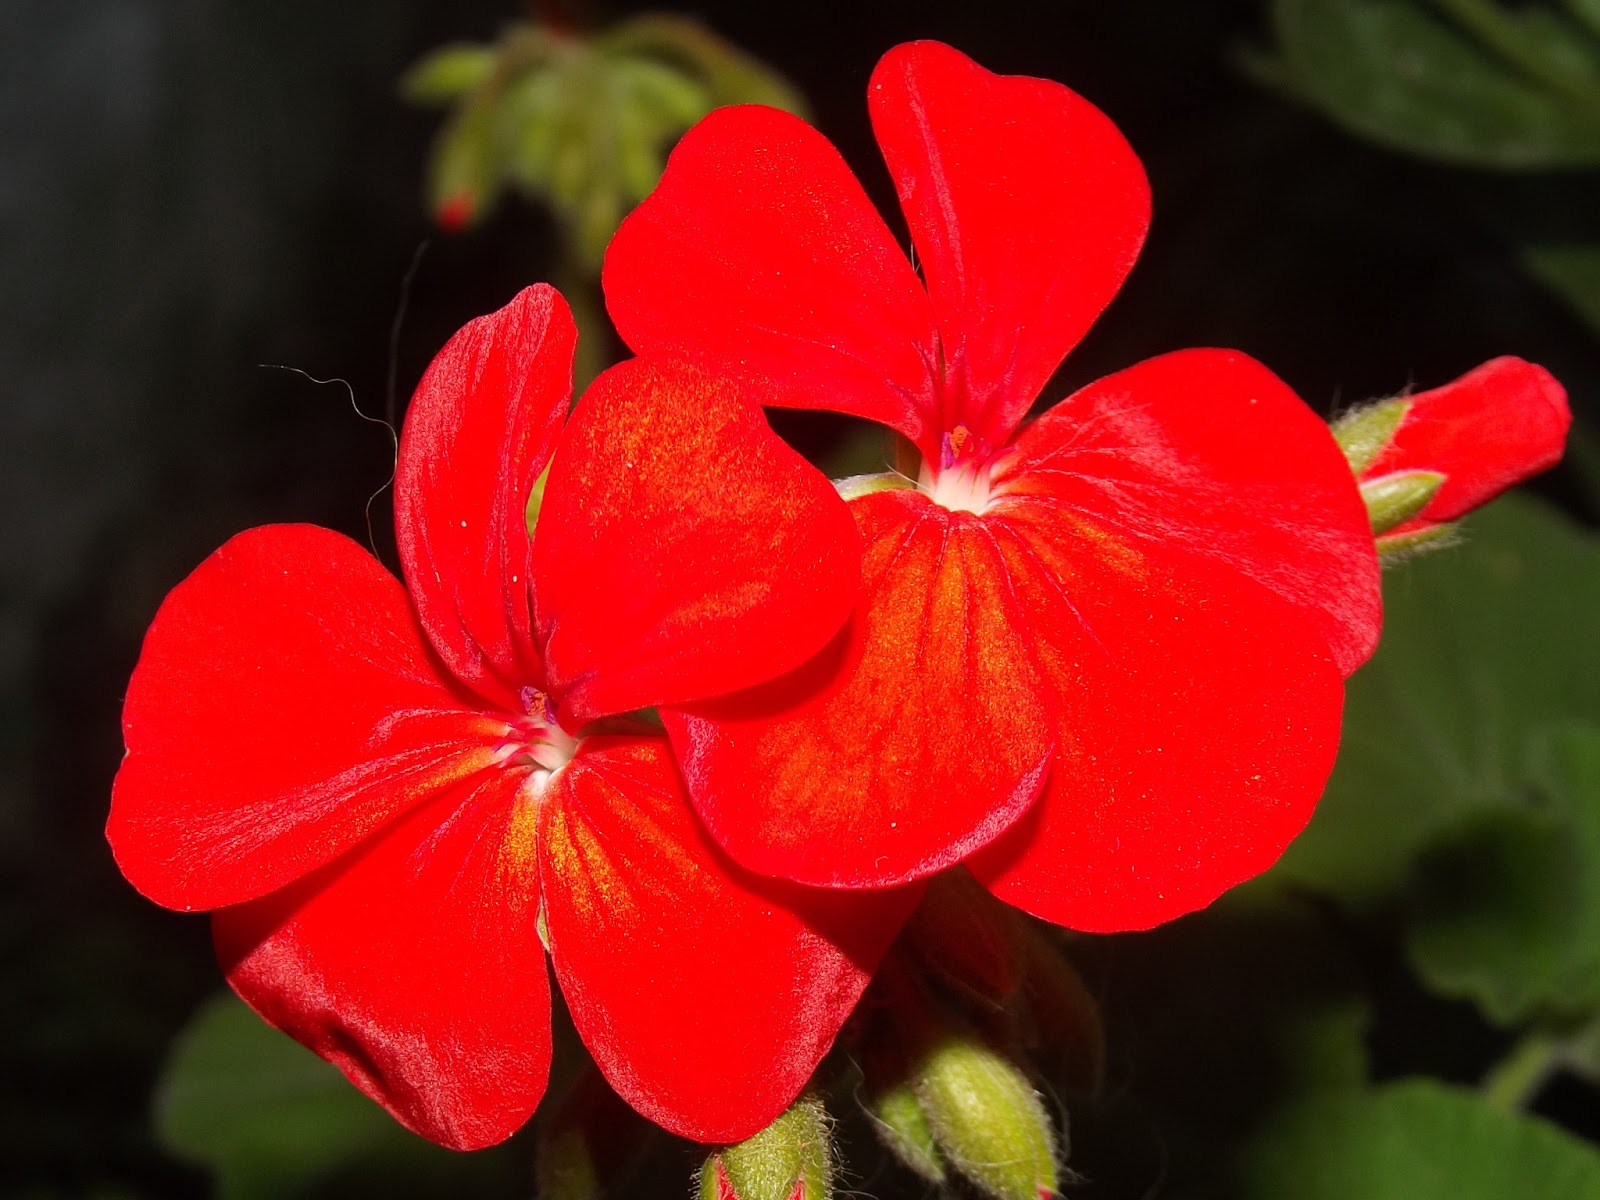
[864,485]
[1394,499]
[1363,433]
[1398,548]
[536,499]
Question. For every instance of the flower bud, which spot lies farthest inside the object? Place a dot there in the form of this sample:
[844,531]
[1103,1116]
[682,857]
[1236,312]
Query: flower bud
[463,175]
[903,1128]
[791,1159]
[588,1139]
[1407,543]
[988,1122]
[891,1104]
[1424,460]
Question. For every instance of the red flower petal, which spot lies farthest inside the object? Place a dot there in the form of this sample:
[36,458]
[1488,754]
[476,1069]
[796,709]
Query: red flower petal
[284,707]
[915,739]
[760,255]
[1209,451]
[683,550]
[1491,428]
[414,965]
[1027,208]
[706,996]
[478,433]
[1199,717]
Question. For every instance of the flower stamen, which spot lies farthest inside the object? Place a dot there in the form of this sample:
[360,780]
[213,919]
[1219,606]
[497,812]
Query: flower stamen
[961,481]
[535,741]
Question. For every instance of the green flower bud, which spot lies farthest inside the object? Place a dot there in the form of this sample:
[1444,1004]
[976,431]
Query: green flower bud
[989,1123]
[588,1139]
[447,73]
[903,1128]
[891,1104]
[791,1159]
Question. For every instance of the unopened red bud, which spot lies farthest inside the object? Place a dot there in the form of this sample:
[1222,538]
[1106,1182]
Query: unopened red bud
[1476,436]
[791,1159]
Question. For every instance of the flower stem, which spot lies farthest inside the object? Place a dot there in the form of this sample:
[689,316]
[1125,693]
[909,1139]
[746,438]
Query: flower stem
[1514,1081]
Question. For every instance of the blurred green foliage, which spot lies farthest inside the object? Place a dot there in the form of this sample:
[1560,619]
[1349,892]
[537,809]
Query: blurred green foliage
[1478,83]
[208,187]
[1417,1140]
[1486,648]
[270,1119]
[581,122]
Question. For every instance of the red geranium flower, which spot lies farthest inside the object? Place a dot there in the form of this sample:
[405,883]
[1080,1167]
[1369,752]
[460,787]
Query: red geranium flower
[1129,620]
[1470,439]
[390,799]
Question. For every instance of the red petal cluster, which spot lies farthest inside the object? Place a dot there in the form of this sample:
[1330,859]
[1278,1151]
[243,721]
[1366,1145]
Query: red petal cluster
[1496,425]
[390,795]
[1100,657]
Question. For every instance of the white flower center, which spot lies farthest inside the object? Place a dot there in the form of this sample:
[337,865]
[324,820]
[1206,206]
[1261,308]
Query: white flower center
[536,740]
[961,480]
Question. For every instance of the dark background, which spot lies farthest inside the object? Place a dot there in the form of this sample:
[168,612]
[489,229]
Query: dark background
[189,190]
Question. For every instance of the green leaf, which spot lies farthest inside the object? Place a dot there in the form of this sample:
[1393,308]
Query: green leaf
[1416,1140]
[447,73]
[1483,649]
[268,1117]
[1586,13]
[1509,907]
[1393,71]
